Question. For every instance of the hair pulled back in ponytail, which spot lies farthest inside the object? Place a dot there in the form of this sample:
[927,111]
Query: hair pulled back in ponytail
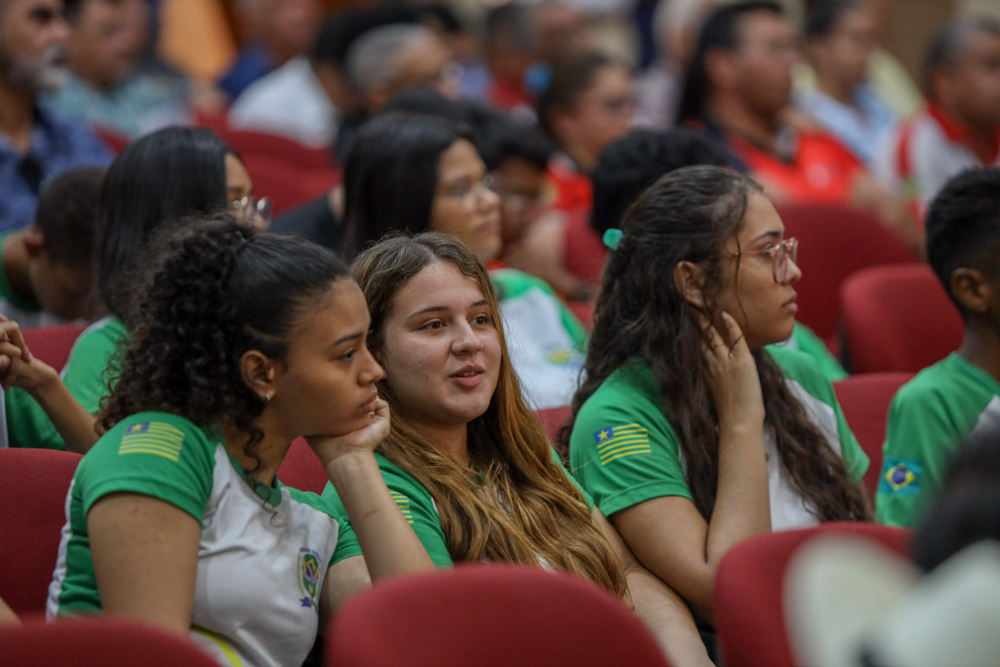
[215,289]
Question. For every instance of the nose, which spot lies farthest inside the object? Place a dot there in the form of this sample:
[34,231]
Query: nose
[466,341]
[488,199]
[372,371]
[794,273]
[60,32]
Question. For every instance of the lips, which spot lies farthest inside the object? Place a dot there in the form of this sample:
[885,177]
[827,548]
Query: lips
[791,305]
[468,376]
[370,404]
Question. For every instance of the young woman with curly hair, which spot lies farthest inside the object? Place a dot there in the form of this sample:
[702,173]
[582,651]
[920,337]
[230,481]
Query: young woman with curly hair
[241,342]
[691,431]
[466,459]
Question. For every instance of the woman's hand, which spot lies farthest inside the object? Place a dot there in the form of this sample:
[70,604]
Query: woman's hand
[363,440]
[732,376]
[13,352]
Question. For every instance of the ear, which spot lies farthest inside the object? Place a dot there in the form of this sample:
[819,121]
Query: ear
[971,289]
[720,68]
[259,371]
[34,242]
[689,279]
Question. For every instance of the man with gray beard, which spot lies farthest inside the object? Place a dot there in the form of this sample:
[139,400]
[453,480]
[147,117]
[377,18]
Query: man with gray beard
[35,145]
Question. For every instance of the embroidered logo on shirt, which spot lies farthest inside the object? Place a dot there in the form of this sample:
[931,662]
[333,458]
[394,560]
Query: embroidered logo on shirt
[404,506]
[901,477]
[308,577]
[617,442]
[156,438]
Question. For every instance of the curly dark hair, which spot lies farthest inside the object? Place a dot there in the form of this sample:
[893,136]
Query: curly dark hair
[216,289]
[687,216]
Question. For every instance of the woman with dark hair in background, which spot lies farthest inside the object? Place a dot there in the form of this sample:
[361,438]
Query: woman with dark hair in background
[240,342]
[468,462]
[158,179]
[689,431]
[588,103]
[416,173]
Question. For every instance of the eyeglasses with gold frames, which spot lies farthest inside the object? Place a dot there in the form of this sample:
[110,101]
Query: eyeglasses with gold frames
[781,254]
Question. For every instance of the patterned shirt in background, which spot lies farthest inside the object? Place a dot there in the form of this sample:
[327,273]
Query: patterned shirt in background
[57,144]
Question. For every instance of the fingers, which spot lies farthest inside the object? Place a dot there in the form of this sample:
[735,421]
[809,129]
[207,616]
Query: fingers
[11,332]
[10,362]
[733,331]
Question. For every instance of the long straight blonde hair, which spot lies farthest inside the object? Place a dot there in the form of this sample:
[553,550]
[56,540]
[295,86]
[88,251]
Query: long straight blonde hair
[522,509]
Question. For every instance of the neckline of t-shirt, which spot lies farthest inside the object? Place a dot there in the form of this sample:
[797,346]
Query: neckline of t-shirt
[269,494]
[978,373]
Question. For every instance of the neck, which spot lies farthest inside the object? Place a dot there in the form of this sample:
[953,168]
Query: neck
[981,347]
[270,451]
[17,107]
[734,116]
[452,440]
[583,160]
[16,262]
[982,137]
[836,89]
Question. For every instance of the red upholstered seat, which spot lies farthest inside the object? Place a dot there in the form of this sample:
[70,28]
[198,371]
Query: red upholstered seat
[286,183]
[865,400]
[52,344]
[33,486]
[585,252]
[749,607]
[301,468]
[835,241]
[898,319]
[488,616]
[96,642]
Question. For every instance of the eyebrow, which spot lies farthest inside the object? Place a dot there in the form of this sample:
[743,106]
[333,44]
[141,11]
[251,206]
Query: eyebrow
[774,232]
[344,339]
[440,309]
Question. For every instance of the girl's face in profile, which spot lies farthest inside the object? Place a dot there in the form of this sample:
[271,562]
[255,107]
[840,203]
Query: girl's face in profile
[442,350]
[464,205]
[761,297]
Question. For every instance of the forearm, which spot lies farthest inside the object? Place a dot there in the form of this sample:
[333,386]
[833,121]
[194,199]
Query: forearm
[389,545]
[75,425]
[742,505]
[667,617]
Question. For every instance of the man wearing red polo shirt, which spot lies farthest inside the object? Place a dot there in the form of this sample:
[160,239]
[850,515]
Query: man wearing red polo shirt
[739,90]
[960,126]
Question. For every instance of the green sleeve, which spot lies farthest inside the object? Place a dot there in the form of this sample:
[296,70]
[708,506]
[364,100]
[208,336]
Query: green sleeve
[920,439]
[27,423]
[85,375]
[417,507]
[637,458]
[809,343]
[347,541]
[153,454]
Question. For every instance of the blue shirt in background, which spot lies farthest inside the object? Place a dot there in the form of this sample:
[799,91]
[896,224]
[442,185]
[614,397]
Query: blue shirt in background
[252,63]
[56,145]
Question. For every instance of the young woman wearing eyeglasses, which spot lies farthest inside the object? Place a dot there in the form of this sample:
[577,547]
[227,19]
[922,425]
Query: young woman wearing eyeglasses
[692,432]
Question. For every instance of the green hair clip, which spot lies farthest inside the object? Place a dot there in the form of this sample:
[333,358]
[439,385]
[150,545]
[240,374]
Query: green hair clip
[613,237]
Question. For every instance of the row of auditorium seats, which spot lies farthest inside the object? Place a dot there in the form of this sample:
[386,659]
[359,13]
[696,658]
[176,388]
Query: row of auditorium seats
[382,627]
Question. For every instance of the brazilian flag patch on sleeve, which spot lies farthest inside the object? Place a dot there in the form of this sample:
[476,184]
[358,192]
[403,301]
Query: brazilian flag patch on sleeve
[900,477]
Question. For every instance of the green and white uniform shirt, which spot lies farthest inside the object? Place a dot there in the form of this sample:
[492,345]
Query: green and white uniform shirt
[805,340]
[624,450]
[419,508]
[263,552]
[86,377]
[545,340]
[12,306]
[929,419]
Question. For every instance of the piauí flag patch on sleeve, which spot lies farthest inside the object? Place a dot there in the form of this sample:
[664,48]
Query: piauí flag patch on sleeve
[404,506]
[900,477]
[618,442]
[156,438]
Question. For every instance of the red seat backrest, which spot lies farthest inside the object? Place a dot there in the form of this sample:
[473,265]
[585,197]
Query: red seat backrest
[247,142]
[52,344]
[33,486]
[286,183]
[553,419]
[96,642]
[585,252]
[749,607]
[301,468]
[865,400]
[835,241]
[489,616]
[898,318]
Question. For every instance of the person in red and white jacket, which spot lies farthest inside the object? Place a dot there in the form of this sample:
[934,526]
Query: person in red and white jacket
[959,127]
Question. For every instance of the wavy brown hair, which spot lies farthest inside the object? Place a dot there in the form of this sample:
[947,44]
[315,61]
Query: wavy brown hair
[687,216]
[523,507]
